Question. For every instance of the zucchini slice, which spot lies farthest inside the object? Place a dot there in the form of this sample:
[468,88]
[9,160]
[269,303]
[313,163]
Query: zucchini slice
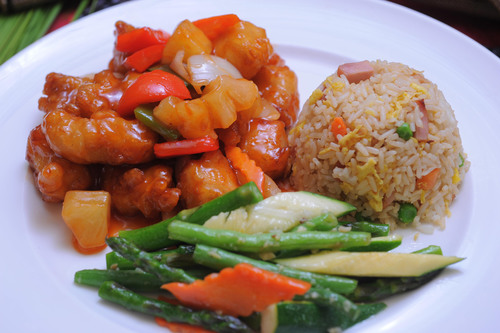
[373,264]
[292,317]
[280,212]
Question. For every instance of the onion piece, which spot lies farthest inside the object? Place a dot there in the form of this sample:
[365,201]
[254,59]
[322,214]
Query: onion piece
[204,68]
[178,66]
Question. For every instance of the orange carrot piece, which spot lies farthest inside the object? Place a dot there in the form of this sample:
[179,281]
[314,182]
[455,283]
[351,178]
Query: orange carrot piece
[238,291]
[338,127]
[245,167]
[181,327]
[428,181]
[213,26]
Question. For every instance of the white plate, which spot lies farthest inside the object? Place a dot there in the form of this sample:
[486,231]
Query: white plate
[38,261]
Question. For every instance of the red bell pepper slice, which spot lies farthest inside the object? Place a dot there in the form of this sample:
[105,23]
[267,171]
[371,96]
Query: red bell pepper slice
[185,147]
[140,38]
[213,26]
[145,58]
[151,87]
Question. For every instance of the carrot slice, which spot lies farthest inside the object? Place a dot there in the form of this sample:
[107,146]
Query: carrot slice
[238,291]
[181,327]
[245,167]
[338,127]
[213,26]
[428,181]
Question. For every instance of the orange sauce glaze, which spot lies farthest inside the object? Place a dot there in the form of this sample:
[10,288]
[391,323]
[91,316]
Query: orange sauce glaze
[116,224]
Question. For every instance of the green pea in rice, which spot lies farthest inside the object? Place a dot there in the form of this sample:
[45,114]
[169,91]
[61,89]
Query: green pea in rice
[371,167]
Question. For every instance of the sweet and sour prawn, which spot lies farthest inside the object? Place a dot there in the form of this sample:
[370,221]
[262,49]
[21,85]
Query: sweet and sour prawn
[105,138]
[83,96]
[54,175]
[204,179]
[149,190]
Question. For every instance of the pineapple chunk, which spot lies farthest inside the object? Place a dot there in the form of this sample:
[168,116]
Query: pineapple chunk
[87,214]
[188,38]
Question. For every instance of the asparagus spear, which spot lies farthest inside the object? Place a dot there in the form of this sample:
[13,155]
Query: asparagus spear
[380,288]
[113,292]
[325,297]
[336,319]
[147,261]
[237,241]
[132,279]
[178,257]
[136,280]
[431,249]
[155,237]
[218,259]
[376,229]
[323,222]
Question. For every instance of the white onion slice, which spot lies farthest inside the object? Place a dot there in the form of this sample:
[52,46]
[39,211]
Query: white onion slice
[178,66]
[204,68]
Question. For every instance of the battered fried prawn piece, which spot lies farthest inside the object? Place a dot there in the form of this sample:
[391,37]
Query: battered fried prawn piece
[205,179]
[83,96]
[53,175]
[105,138]
[60,91]
[266,142]
[147,190]
[246,46]
[278,85]
[103,93]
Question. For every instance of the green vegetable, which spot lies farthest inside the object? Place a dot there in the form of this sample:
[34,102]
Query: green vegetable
[237,241]
[370,264]
[378,244]
[431,249]
[145,115]
[147,261]
[375,229]
[132,279]
[404,131]
[378,289]
[244,195]
[155,237]
[178,257]
[280,212]
[308,317]
[335,319]
[293,317]
[359,217]
[324,222]
[462,160]
[328,298]
[407,212]
[218,259]
[112,291]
